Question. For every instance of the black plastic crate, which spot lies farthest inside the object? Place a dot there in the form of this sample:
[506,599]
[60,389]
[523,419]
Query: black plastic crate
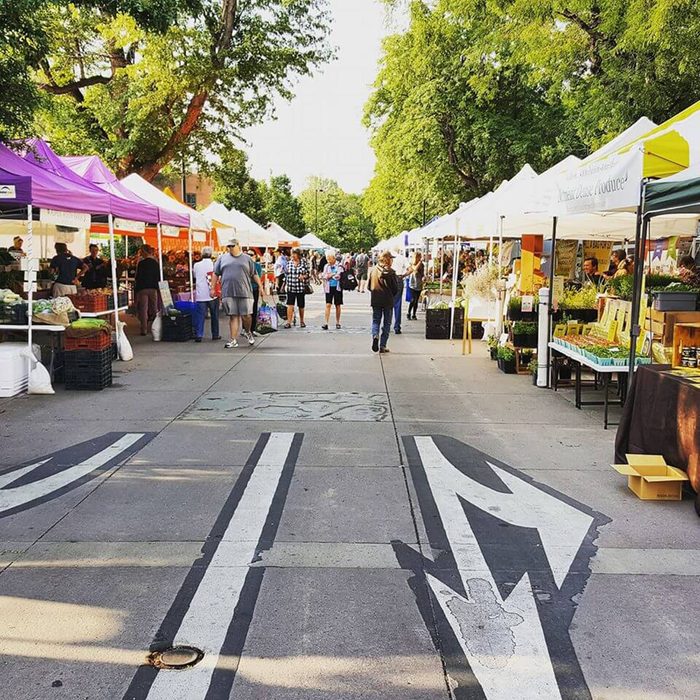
[77,359]
[91,379]
[177,329]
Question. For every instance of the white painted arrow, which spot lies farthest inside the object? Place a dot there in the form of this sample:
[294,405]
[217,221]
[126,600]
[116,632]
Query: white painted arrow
[502,639]
[212,607]
[20,495]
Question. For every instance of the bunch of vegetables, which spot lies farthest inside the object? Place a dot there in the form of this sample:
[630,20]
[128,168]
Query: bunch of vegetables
[584,298]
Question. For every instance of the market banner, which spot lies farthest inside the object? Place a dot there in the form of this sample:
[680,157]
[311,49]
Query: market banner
[71,219]
[602,185]
[673,247]
[600,250]
[565,258]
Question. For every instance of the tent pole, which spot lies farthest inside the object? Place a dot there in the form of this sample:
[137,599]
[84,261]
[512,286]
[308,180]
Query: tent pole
[115,282]
[500,244]
[191,266]
[640,239]
[160,250]
[491,250]
[442,261]
[29,276]
[455,275]
[552,264]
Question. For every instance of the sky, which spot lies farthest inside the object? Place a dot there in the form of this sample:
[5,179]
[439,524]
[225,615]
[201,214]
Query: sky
[320,132]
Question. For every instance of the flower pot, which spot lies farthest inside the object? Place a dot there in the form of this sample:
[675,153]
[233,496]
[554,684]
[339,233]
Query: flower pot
[508,366]
[534,378]
[494,353]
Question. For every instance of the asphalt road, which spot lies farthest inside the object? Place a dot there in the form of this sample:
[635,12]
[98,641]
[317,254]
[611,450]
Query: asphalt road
[325,523]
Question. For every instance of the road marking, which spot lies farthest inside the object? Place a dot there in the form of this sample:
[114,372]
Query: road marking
[14,497]
[512,557]
[212,605]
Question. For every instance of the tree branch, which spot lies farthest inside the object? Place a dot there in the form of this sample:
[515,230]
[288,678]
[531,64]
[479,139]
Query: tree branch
[188,124]
[74,87]
[450,139]
[595,37]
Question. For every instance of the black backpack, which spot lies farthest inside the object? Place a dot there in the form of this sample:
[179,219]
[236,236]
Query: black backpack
[348,281]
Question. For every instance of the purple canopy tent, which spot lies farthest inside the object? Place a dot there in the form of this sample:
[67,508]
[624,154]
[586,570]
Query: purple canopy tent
[41,154]
[47,190]
[92,168]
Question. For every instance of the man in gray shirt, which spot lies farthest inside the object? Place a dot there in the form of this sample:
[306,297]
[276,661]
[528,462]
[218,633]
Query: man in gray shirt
[236,271]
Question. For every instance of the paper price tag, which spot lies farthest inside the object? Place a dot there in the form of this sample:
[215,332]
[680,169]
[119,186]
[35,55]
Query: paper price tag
[527,304]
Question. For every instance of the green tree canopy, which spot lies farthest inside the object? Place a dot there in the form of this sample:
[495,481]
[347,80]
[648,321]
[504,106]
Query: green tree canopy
[336,216]
[235,187]
[474,89]
[142,92]
[281,206]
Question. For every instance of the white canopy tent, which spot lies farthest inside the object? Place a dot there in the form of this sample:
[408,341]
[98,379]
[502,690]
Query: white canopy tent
[235,224]
[283,236]
[152,194]
[312,242]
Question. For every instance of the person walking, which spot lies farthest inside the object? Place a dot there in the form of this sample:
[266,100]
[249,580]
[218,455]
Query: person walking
[331,286]
[362,267]
[400,266]
[236,271]
[297,278]
[281,271]
[416,274]
[383,287]
[205,296]
[146,288]
[256,290]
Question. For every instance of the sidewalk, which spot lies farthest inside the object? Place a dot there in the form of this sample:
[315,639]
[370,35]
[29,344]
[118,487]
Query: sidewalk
[353,531]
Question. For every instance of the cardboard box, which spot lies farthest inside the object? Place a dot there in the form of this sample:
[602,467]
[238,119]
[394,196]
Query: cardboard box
[651,478]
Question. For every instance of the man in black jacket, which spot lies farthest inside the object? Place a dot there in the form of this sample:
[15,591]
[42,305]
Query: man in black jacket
[384,286]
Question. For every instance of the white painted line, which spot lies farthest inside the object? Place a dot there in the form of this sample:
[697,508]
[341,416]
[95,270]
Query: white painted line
[502,639]
[20,495]
[210,612]
[6,479]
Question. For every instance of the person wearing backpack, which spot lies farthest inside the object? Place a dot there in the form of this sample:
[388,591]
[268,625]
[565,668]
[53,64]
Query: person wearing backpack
[384,285]
[362,266]
[416,274]
[331,277]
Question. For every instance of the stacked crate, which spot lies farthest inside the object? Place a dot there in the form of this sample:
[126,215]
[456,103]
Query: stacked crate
[87,362]
[177,329]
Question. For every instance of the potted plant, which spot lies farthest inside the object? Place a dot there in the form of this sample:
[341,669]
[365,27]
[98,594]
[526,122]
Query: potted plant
[525,334]
[492,343]
[532,368]
[506,359]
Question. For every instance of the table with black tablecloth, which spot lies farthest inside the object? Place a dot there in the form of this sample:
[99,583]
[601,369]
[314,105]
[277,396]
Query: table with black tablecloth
[662,416]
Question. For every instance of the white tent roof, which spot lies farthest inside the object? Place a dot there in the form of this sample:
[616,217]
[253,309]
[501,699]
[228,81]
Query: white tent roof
[282,235]
[152,194]
[235,224]
[312,242]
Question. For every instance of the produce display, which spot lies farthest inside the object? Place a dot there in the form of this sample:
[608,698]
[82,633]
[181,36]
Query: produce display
[599,350]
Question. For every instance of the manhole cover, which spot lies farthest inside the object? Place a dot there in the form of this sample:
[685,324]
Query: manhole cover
[176,657]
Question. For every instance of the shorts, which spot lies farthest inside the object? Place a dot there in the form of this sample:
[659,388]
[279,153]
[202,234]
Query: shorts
[361,275]
[237,306]
[335,296]
[63,290]
[298,298]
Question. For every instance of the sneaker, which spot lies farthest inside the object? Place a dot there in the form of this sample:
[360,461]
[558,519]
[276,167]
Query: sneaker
[398,331]
[256,334]
[338,326]
[325,326]
[251,340]
[383,351]
[375,344]
[231,344]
